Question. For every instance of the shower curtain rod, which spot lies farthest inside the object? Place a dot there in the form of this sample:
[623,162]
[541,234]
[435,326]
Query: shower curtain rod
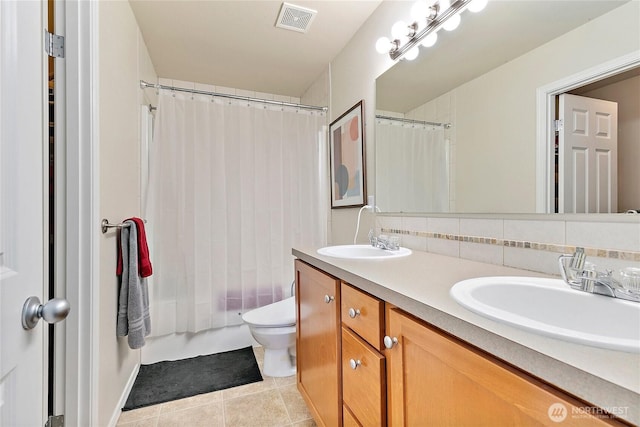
[420,122]
[145,85]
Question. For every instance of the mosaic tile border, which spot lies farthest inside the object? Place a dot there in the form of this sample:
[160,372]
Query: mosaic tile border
[548,247]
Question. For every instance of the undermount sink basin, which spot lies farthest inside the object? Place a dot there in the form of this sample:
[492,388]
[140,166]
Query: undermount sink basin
[362,252]
[550,307]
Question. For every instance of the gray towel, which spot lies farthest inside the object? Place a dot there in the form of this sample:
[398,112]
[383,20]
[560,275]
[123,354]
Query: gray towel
[133,299]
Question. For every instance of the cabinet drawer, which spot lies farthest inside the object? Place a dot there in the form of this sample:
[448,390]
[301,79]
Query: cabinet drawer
[363,380]
[364,314]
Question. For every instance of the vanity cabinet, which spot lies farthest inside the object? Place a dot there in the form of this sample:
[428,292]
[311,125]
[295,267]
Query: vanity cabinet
[318,343]
[436,379]
[364,362]
[363,365]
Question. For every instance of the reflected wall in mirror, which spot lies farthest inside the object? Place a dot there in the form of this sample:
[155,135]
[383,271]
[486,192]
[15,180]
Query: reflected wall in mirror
[483,79]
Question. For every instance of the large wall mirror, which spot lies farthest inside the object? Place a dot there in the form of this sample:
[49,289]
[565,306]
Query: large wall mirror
[469,137]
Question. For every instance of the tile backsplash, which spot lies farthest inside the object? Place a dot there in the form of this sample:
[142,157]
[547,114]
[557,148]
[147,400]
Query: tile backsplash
[527,243]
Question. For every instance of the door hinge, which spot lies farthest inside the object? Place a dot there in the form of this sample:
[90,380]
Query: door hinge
[558,125]
[53,44]
[55,421]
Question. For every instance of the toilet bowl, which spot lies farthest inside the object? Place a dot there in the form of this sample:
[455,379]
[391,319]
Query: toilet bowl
[274,327]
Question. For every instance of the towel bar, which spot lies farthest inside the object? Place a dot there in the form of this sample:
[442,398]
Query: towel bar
[105,225]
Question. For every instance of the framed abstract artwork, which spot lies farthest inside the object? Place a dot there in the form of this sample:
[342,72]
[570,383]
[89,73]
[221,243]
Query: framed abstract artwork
[346,156]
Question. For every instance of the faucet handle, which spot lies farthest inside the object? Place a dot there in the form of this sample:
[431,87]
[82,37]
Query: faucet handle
[578,259]
[571,272]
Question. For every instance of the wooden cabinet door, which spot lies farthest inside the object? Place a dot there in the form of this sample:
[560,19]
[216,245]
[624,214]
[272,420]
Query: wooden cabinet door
[318,343]
[436,380]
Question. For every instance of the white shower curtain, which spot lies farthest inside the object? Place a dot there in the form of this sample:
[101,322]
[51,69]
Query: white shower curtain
[412,167]
[233,186]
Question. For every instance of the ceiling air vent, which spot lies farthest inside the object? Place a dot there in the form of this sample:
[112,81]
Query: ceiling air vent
[295,18]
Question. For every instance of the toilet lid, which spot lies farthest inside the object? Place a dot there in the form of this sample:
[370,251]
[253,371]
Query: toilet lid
[281,313]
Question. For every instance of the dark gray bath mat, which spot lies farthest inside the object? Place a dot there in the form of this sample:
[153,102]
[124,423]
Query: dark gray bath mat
[176,379]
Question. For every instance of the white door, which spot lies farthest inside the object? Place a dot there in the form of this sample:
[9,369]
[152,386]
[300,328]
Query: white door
[22,249]
[588,155]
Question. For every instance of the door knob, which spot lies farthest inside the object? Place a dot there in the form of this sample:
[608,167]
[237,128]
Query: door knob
[52,311]
[328,298]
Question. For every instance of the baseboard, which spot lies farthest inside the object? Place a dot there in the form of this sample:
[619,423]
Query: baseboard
[123,397]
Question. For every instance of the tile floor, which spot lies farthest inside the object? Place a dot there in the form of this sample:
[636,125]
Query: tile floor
[269,403]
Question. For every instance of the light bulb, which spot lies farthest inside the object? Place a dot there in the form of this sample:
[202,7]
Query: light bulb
[412,53]
[477,5]
[399,30]
[383,45]
[430,40]
[419,11]
[452,23]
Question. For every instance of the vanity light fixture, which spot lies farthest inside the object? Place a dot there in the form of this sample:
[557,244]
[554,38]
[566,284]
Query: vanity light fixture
[427,20]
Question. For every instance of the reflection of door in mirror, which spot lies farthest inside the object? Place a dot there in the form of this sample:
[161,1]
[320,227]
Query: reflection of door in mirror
[587,155]
[621,88]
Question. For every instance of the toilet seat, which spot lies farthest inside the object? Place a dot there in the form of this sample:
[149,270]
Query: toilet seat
[278,314]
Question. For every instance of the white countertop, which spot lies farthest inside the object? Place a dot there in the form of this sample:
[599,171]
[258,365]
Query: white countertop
[420,283]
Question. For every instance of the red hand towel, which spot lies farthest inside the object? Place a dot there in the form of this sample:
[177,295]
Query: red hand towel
[144,261]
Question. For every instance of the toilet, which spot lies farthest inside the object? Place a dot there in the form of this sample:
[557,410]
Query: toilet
[274,327]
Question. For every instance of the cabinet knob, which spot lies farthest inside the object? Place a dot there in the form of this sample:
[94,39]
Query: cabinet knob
[353,312]
[328,298]
[354,363]
[389,342]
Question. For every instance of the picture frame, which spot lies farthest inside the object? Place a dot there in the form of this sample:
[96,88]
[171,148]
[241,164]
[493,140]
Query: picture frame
[347,159]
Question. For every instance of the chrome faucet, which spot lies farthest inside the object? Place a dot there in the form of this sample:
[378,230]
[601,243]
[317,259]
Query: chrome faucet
[583,276]
[383,242]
